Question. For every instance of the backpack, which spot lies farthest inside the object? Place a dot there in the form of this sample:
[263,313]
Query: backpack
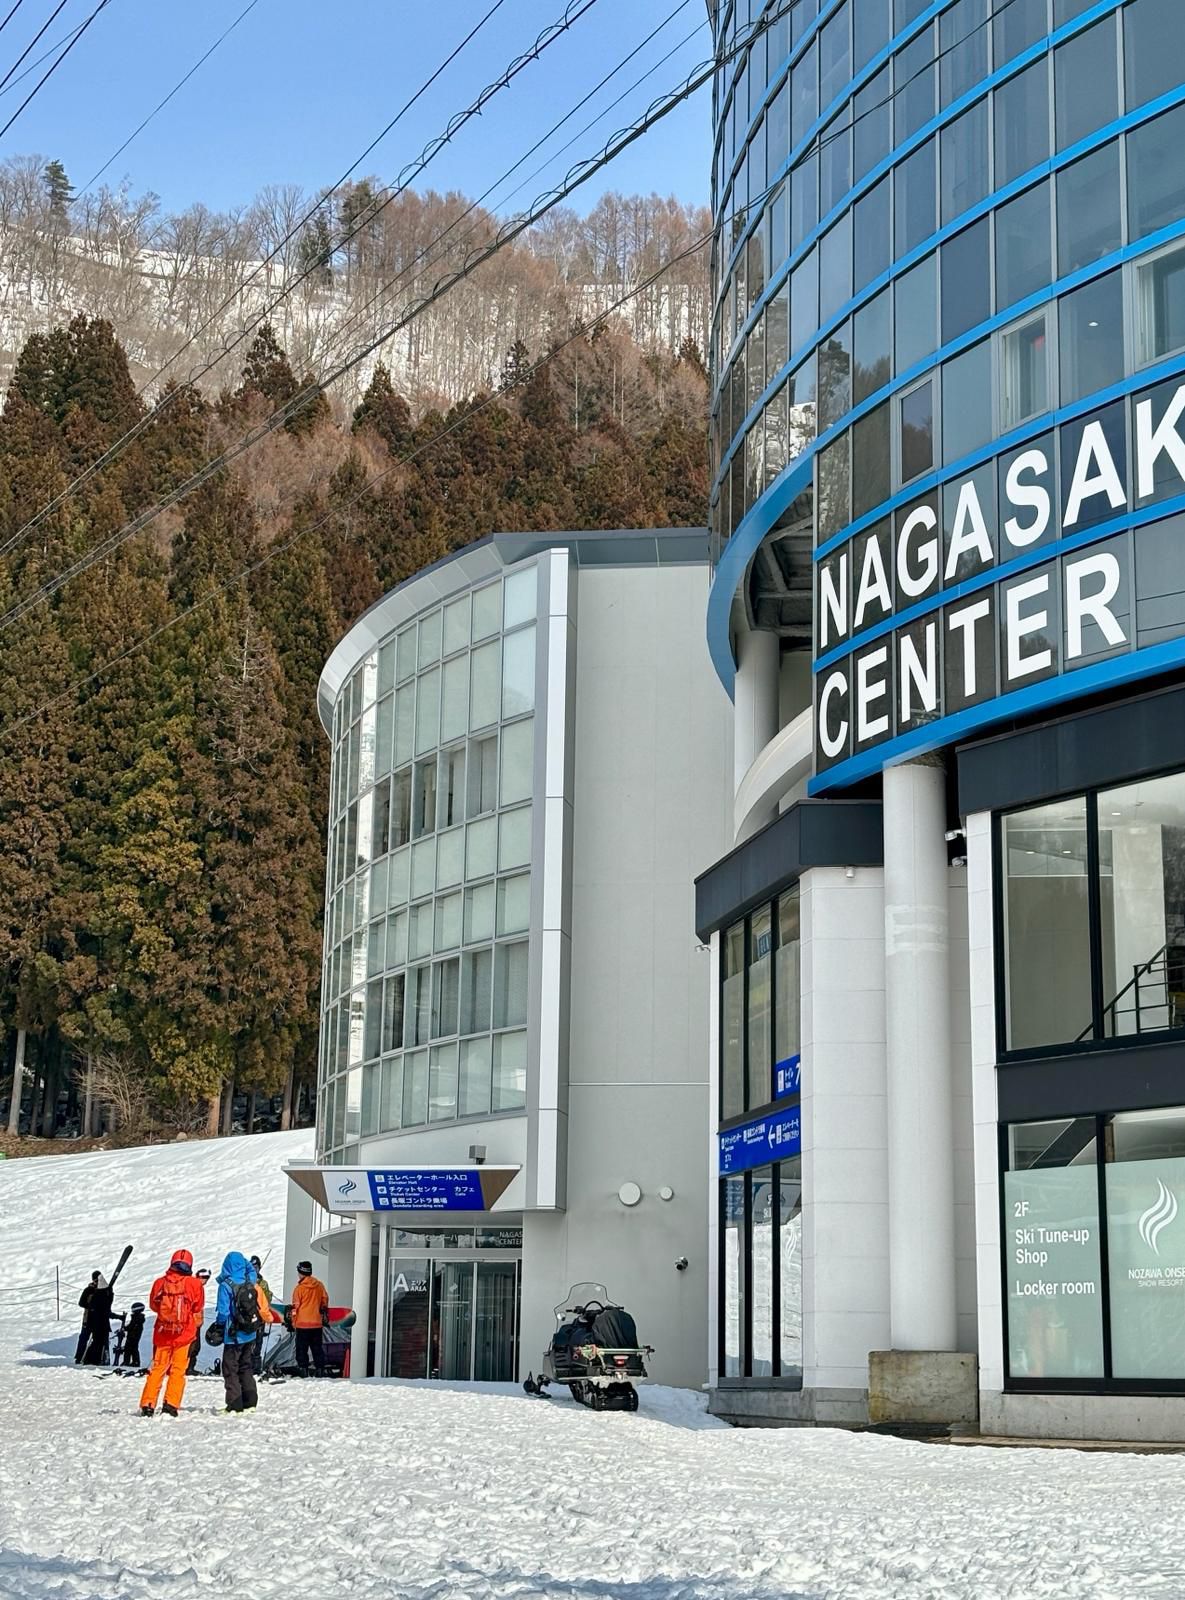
[173,1314]
[245,1316]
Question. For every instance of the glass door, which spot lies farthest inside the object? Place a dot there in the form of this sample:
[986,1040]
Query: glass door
[452,1319]
[407,1317]
[495,1343]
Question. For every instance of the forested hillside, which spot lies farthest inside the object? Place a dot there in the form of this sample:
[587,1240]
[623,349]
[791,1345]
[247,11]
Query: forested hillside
[333,271]
[162,771]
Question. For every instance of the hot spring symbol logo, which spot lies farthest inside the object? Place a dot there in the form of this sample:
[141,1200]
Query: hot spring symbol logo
[1158,1216]
[349,1186]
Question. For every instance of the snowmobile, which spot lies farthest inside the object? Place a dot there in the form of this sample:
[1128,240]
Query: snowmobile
[594,1350]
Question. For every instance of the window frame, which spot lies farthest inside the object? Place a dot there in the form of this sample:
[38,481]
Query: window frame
[1143,353]
[1108,1384]
[1005,420]
[1097,1042]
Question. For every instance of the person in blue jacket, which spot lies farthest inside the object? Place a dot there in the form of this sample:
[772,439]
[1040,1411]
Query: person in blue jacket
[240,1313]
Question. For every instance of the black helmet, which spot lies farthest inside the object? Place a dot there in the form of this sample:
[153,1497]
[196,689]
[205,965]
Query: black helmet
[305,1268]
[256,1263]
[137,1305]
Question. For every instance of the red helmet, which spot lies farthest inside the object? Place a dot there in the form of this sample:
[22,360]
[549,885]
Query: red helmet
[181,1258]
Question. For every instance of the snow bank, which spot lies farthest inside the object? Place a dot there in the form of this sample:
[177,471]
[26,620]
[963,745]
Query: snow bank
[76,1212]
[420,1491]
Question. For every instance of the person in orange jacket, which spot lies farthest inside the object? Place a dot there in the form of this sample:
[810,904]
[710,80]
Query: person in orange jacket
[308,1313]
[179,1301]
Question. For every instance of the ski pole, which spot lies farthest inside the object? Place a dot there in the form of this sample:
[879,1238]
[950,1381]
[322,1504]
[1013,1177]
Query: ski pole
[57,1289]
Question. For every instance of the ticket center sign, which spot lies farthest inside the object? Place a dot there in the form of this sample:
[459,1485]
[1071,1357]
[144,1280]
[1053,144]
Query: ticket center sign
[404,1189]
[775,1137]
[1051,570]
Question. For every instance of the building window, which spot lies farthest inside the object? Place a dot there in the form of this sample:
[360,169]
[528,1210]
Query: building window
[1089,218]
[732,1017]
[1142,905]
[1024,249]
[732,1278]
[1153,48]
[1089,1290]
[760,1275]
[1051,1236]
[1155,183]
[917,431]
[1086,87]
[1095,883]
[1090,337]
[758,1011]
[1022,122]
[788,995]
[1160,305]
[1024,371]
[1046,925]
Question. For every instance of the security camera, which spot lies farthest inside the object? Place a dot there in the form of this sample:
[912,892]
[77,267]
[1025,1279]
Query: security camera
[681,1264]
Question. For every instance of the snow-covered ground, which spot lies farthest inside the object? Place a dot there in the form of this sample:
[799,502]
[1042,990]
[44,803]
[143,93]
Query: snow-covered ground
[339,1491]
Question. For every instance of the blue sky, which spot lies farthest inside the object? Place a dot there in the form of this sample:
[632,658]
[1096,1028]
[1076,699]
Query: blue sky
[302,86]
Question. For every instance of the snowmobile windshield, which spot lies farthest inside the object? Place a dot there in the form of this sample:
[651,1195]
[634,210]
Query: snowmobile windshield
[581,1295]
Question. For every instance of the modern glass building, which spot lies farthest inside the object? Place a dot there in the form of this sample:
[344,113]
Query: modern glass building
[512,1003]
[948,355]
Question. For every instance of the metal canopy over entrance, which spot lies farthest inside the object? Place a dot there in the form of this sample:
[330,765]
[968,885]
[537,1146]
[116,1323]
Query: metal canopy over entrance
[404,1188]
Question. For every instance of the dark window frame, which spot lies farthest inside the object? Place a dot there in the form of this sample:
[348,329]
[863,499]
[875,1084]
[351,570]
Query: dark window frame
[1098,1042]
[745,1379]
[1108,1384]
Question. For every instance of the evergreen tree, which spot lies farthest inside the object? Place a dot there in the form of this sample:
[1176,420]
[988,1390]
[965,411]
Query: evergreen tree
[266,371]
[58,193]
[385,413]
[315,252]
[515,367]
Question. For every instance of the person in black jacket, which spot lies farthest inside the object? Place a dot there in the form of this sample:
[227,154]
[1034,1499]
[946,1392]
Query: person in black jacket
[84,1300]
[98,1325]
[132,1330]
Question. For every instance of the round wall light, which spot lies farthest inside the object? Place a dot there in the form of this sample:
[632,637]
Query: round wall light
[629,1194]
[666,1192]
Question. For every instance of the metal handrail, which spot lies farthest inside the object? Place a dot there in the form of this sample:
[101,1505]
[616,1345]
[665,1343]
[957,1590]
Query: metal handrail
[1112,1005]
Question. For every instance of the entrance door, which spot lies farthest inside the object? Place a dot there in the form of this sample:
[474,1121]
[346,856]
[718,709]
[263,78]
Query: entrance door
[495,1322]
[452,1319]
[452,1316]
[407,1330]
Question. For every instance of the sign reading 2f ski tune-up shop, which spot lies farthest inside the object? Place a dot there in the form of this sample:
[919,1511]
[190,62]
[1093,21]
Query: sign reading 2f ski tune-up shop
[1050,571]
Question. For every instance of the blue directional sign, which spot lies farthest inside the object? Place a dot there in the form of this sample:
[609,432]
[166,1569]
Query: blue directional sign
[426,1189]
[771,1138]
[787,1077]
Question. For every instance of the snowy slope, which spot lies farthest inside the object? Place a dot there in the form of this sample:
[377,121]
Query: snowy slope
[421,1491]
[77,1212]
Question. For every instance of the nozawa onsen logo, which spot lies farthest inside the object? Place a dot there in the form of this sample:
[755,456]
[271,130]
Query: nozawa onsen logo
[1158,1216]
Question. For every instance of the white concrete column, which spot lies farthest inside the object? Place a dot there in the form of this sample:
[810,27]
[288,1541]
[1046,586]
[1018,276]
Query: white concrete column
[922,1304]
[360,1333]
[755,706]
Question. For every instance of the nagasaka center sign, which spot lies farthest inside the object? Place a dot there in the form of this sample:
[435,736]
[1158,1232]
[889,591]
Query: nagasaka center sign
[1053,570]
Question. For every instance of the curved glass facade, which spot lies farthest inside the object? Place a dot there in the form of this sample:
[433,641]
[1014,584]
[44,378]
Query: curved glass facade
[428,892]
[946,232]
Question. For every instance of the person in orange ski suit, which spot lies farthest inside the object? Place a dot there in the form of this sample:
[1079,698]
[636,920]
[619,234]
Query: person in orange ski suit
[179,1301]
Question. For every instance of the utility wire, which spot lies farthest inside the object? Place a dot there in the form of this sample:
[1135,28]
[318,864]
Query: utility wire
[573,12]
[579,175]
[278,549]
[11,14]
[430,254]
[35,39]
[33,65]
[42,81]
[200,62]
